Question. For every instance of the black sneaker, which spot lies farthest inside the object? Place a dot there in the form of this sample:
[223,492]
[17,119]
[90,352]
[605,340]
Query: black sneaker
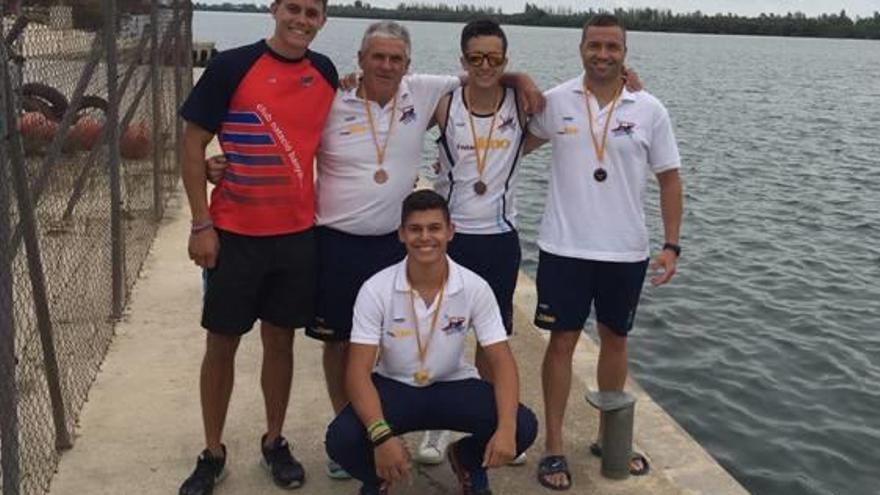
[209,471]
[470,482]
[286,471]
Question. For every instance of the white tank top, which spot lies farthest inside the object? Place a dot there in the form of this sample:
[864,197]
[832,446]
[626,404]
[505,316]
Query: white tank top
[494,211]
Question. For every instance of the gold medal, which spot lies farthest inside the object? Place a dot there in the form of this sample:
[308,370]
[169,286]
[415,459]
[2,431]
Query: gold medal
[480,187]
[421,376]
[381,176]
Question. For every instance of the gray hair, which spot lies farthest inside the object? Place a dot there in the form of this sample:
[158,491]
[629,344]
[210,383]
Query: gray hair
[387,29]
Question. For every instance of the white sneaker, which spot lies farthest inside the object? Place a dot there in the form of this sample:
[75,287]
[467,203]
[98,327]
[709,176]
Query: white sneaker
[433,447]
[518,460]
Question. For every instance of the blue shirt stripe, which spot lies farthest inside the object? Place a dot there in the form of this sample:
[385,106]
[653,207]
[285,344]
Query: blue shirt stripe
[245,138]
[257,160]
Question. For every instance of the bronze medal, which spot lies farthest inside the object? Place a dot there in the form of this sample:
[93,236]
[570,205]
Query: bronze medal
[421,376]
[381,176]
[480,187]
[600,175]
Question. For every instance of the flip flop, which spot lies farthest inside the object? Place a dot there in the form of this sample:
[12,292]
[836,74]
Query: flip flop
[596,450]
[550,465]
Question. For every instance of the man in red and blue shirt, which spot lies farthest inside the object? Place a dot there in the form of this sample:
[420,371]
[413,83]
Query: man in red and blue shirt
[267,103]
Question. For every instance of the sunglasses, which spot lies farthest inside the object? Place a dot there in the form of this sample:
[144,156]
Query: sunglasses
[475,59]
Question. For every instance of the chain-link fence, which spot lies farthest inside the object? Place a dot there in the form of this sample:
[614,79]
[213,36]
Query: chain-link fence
[89,154]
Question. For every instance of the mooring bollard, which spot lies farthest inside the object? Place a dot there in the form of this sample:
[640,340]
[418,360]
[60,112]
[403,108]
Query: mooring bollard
[617,409]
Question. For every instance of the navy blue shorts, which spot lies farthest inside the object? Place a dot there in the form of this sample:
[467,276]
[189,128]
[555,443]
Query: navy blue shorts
[567,287]
[345,262]
[271,278]
[495,257]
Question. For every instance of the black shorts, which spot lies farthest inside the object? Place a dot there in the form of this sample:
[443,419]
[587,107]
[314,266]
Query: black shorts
[271,278]
[345,262]
[496,258]
[567,287]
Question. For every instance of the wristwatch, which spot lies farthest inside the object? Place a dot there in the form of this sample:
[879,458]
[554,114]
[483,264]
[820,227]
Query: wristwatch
[675,248]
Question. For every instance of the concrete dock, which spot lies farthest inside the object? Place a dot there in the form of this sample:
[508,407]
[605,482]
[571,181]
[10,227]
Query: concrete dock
[141,430]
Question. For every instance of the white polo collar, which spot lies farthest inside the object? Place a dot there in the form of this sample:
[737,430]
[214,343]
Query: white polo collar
[403,93]
[454,281]
[577,86]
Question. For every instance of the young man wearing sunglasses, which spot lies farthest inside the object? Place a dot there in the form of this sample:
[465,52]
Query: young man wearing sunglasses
[607,142]
[407,370]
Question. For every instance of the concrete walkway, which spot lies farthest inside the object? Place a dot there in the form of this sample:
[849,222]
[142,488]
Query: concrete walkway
[140,431]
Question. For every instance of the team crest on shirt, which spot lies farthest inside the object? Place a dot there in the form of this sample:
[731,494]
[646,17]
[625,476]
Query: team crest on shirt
[623,128]
[507,123]
[454,325]
[306,81]
[407,114]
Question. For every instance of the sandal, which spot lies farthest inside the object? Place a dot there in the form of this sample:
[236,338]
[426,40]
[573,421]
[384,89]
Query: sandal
[596,450]
[550,465]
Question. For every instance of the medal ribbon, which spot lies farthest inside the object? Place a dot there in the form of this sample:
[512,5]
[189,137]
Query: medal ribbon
[600,150]
[481,161]
[380,150]
[423,350]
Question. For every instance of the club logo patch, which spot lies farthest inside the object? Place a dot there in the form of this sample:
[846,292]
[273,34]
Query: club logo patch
[407,114]
[454,325]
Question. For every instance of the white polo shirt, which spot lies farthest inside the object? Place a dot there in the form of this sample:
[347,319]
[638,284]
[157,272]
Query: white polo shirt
[493,212]
[603,221]
[383,316]
[347,197]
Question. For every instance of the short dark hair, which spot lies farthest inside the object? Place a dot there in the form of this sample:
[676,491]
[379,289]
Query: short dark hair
[482,27]
[423,200]
[323,2]
[604,20]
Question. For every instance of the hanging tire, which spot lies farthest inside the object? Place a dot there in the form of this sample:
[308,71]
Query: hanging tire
[54,98]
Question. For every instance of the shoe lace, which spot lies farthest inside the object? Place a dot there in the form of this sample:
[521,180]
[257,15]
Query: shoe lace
[279,454]
[206,467]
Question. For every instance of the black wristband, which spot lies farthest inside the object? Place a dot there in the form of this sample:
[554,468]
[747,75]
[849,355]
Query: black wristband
[675,248]
[382,439]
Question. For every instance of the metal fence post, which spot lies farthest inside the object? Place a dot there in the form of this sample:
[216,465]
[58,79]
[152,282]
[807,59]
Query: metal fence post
[177,58]
[8,391]
[36,274]
[113,159]
[158,145]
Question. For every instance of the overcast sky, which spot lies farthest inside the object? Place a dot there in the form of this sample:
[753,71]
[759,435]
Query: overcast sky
[745,7]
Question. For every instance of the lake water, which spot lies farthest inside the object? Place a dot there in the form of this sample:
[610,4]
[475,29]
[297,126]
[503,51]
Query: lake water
[766,346]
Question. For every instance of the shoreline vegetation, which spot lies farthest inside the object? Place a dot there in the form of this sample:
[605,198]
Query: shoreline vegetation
[837,25]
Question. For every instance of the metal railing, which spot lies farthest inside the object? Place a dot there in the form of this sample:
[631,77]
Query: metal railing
[89,154]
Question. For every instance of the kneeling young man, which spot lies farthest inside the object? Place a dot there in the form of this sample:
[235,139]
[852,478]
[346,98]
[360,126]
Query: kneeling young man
[418,312]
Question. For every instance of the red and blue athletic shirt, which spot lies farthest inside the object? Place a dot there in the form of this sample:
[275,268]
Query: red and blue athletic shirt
[268,112]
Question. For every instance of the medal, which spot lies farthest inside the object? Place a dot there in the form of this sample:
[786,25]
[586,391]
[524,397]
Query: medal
[600,174]
[380,176]
[421,376]
[480,187]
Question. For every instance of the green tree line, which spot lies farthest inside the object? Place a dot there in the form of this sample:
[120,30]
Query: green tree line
[836,25]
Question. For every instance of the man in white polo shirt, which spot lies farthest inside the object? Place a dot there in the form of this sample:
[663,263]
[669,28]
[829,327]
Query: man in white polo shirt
[367,163]
[606,143]
[414,316]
